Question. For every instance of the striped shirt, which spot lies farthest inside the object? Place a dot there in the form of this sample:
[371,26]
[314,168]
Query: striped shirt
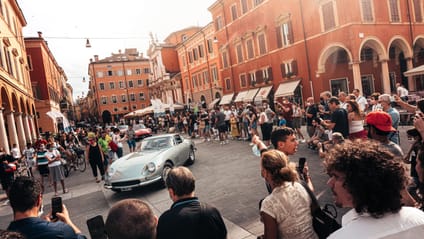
[41,158]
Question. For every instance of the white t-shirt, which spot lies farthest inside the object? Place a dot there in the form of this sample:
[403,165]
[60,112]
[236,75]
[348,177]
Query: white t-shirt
[16,153]
[53,154]
[365,226]
[402,91]
[362,102]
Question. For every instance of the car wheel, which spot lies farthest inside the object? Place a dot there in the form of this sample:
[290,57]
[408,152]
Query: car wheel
[191,157]
[166,168]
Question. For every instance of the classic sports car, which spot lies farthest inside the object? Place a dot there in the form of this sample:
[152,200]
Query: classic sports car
[150,163]
[141,131]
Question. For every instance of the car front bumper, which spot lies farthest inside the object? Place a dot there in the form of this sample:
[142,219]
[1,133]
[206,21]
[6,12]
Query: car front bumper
[131,184]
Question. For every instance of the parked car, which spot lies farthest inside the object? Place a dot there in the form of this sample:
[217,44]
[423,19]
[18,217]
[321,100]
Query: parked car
[141,131]
[150,163]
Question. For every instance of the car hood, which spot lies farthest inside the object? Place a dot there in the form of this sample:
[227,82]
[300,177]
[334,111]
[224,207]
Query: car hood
[136,159]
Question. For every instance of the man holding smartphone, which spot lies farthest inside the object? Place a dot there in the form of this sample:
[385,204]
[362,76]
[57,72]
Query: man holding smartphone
[26,199]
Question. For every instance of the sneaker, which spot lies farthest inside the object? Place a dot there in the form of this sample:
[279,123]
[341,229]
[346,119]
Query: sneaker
[226,141]
[221,143]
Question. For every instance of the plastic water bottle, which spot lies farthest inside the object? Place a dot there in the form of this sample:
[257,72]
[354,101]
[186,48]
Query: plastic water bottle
[256,151]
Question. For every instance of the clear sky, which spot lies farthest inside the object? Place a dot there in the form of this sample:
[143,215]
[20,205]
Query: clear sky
[110,26]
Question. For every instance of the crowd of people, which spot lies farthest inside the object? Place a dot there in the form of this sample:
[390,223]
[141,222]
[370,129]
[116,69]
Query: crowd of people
[358,140]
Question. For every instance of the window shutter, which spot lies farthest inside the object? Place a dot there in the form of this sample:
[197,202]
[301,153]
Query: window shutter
[259,77]
[290,31]
[270,77]
[294,67]
[279,39]
[283,70]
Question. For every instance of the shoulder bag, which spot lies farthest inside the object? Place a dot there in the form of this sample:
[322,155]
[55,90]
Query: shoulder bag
[323,220]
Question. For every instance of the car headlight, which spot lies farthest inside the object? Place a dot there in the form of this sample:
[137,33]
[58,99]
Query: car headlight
[151,167]
[111,171]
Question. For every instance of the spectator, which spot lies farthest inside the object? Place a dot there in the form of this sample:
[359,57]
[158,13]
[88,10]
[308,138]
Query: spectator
[281,121]
[339,120]
[324,98]
[364,177]
[188,218]
[16,153]
[311,113]
[221,125]
[362,101]
[297,121]
[319,135]
[385,102]
[266,124]
[10,235]
[343,99]
[6,172]
[42,163]
[356,121]
[402,92]
[26,199]
[29,154]
[55,168]
[94,156]
[130,138]
[118,141]
[140,222]
[286,212]
[374,102]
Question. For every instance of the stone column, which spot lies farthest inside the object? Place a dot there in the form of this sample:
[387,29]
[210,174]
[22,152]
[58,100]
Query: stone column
[4,143]
[357,79]
[411,82]
[34,129]
[28,136]
[13,136]
[20,130]
[385,76]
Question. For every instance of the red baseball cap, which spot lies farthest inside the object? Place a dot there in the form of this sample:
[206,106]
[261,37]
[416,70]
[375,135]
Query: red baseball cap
[381,120]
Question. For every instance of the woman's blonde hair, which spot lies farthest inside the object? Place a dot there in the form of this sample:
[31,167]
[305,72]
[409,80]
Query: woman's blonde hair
[278,165]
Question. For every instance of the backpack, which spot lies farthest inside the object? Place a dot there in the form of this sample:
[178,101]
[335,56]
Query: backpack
[113,146]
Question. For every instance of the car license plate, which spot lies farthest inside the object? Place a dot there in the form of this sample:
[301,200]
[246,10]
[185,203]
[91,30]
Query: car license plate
[126,189]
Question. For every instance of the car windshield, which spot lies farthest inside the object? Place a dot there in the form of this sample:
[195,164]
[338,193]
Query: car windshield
[139,126]
[155,144]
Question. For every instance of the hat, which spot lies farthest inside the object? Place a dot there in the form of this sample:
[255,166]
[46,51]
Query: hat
[91,135]
[381,120]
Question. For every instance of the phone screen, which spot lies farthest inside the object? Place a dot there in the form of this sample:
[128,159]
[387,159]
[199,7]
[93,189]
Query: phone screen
[301,164]
[96,227]
[56,206]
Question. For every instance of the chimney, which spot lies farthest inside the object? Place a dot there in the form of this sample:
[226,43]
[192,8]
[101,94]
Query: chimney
[40,34]
[96,58]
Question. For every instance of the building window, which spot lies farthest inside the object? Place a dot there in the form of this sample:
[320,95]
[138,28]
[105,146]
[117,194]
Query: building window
[329,20]
[119,73]
[214,73]
[129,72]
[141,96]
[286,32]
[234,12]
[228,84]
[114,99]
[205,77]
[195,54]
[99,74]
[138,71]
[394,10]
[224,59]
[183,60]
[261,44]
[121,85]
[190,57]
[252,78]
[289,69]
[418,10]
[194,81]
[219,24]
[130,84]
[367,12]
[102,86]
[210,46]
[132,97]
[239,50]
[123,98]
[146,70]
[140,83]
[134,107]
[109,73]
[201,51]
[257,2]
[115,109]
[244,6]
[104,100]
[112,85]
[250,50]
[243,82]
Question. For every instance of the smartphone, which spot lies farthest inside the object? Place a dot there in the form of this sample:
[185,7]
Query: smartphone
[96,227]
[56,206]
[301,164]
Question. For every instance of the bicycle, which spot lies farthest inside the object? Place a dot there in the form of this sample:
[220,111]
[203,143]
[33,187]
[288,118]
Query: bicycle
[77,161]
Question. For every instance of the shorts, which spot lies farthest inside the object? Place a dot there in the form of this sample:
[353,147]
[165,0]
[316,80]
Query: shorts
[297,122]
[57,173]
[222,128]
[131,143]
[44,170]
[30,162]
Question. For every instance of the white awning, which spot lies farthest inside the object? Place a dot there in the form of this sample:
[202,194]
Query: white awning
[250,95]
[54,114]
[286,89]
[263,93]
[213,103]
[226,99]
[419,70]
[240,96]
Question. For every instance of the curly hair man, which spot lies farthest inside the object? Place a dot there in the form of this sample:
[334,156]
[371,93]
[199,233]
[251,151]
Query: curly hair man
[363,176]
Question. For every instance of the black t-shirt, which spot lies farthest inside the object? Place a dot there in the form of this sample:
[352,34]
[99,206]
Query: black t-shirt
[313,110]
[187,219]
[339,117]
[220,118]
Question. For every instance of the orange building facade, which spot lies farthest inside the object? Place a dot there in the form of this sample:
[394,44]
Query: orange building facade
[270,49]
[199,61]
[119,85]
[17,111]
